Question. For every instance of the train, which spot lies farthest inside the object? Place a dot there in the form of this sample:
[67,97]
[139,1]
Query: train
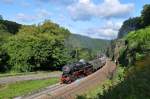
[74,71]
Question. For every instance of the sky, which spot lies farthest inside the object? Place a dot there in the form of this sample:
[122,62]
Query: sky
[93,18]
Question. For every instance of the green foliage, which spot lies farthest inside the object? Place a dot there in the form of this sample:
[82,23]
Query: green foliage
[54,29]
[4,33]
[80,53]
[85,42]
[127,83]
[9,26]
[135,84]
[100,90]
[1,18]
[44,46]
[22,88]
[129,25]
[85,47]
[138,42]
[146,15]
[37,47]
[3,61]
[139,56]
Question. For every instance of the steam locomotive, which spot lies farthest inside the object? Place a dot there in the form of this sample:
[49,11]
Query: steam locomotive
[81,69]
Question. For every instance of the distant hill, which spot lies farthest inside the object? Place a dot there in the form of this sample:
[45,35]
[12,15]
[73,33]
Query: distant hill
[9,26]
[79,41]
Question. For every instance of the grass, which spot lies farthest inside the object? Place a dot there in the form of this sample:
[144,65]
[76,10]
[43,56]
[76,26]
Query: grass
[92,93]
[100,89]
[24,73]
[22,88]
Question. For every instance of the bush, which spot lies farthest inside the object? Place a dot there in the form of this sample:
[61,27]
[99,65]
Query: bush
[3,61]
[138,42]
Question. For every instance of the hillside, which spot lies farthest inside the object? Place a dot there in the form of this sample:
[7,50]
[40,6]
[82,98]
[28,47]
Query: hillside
[135,58]
[79,41]
[132,52]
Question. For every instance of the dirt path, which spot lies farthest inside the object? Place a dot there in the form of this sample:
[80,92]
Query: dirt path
[12,79]
[80,86]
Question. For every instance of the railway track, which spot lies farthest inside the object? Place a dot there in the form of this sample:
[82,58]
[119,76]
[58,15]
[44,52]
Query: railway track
[46,90]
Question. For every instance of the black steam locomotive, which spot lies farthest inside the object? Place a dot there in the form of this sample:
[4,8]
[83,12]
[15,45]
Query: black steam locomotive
[80,69]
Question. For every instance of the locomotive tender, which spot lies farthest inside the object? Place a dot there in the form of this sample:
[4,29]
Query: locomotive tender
[81,69]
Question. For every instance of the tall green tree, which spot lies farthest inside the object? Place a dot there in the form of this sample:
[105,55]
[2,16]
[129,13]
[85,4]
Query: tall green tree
[1,18]
[3,61]
[145,15]
[129,25]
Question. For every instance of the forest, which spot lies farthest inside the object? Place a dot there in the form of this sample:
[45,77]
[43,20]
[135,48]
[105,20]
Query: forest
[46,46]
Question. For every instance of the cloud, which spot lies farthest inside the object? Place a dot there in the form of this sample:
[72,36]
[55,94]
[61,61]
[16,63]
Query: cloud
[24,17]
[108,31]
[8,1]
[60,2]
[40,14]
[86,9]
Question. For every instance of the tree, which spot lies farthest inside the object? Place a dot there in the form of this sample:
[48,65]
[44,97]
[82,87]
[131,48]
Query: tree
[145,15]
[129,25]
[1,18]
[3,61]
[37,48]
[11,27]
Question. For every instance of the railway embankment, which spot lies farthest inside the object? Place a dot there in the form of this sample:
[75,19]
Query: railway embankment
[78,87]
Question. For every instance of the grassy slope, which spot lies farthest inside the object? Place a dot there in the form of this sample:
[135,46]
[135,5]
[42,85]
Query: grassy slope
[137,80]
[21,88]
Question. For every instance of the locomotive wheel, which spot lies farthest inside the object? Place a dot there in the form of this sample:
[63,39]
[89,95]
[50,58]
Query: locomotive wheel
[69,82]
[88,72]
[81,76]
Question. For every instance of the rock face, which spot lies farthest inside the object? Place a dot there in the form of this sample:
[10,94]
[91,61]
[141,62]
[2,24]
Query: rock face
[120,46]
[121,54]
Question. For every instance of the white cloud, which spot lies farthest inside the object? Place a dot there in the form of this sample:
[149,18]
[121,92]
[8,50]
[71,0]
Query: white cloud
[86,9]
[40,14]
[60,2]
[24,17]
[108,31]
